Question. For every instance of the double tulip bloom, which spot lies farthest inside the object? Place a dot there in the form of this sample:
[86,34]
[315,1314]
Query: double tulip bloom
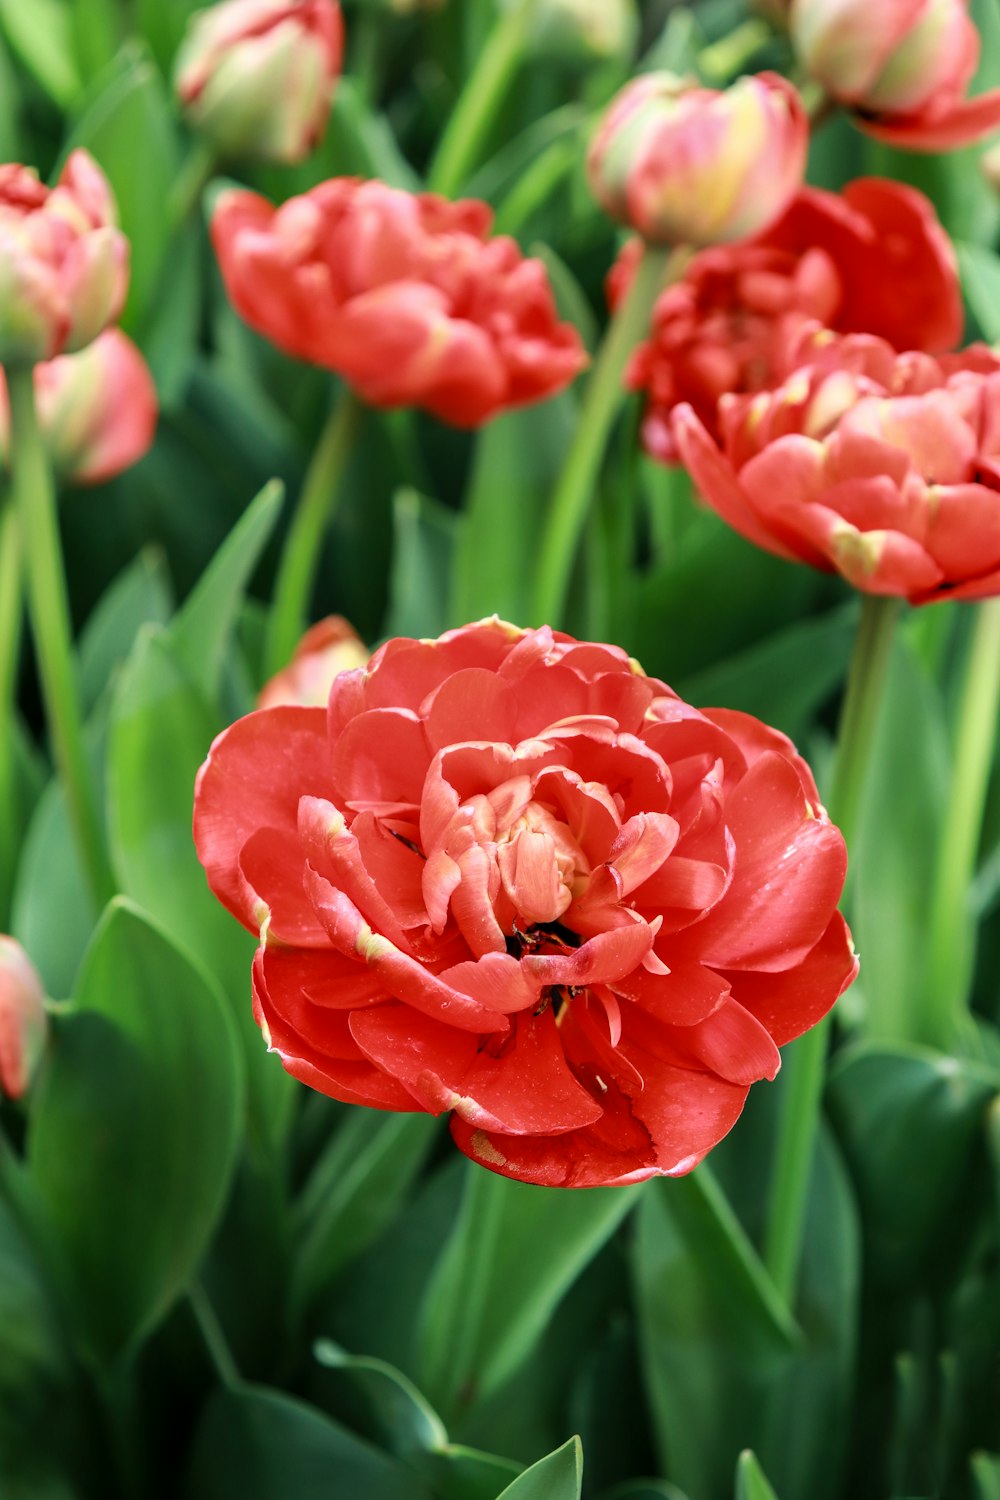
[63,261]
[404,295]
[256,77]
[902,66]
[873,259]
[505,874]
[880,466]
[97,409]
[687,165]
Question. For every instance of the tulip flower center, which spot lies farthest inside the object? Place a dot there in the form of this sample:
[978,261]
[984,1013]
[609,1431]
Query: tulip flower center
[541,865]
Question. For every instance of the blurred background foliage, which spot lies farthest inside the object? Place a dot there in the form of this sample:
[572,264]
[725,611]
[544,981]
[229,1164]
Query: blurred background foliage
[215,1284]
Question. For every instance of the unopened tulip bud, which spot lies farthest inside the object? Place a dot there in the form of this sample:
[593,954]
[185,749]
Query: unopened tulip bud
[256,77]
[63,261]
[904,68]
[331,646]
[584,29]
[97,409]
[688,165]
[989,164]
[23,1023]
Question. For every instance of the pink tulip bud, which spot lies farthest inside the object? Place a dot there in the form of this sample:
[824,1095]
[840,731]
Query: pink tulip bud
[688,165]
[23,1023]
[97,409]
[64,262]
[902,65]
[330,647]
[577,30]
[256,77]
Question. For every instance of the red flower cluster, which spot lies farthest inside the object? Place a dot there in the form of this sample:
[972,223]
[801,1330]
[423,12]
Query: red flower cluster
[507,875]
[884,467]
[873,259]
[402,294]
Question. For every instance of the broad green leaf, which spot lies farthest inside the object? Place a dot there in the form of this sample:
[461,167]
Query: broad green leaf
[161,730]
[557,1477]
[980,269]
[502,173]
[97,27]
[644,1489]
[901,812]
[34,1370]
[894,1107]
[361,142]
[986,1475]
[512,1256]
[716,1338]
[134,1129]
[354,1192]
[458,1473]
[258,1444]
[518,460]
[129,128]
[571,300]
[41,38]
[162,23]
[11,103]
[423,546]
[203,628]
[751,1481]
[139,596]
[172,321]
[380,1403]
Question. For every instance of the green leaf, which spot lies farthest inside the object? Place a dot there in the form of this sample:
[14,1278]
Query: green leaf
[644,1489]
[361,142]
[129,128]
[258,1444]
[571,300]
[377,1401]
[986,1475]
[134,1129]
[893,1107]
[355,1191]
[162,23]
[203,627]
[140,595]
[41,39]
[23,776]
[557,1477]
[751,1481]
[459,1473]
[980,271]
[423,544]
[518,460]
[34,1370]
[906,789]
[97,33]
[512,1256]
[161,730]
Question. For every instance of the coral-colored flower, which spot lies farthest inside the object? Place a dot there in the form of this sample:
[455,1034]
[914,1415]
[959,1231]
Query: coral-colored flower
[507,875]
[902,66]
[97,409]
[23,1022]
[684,165]
[256,77]
[63,262]
[873,259]
[328,647]
[403,294]
[880,466]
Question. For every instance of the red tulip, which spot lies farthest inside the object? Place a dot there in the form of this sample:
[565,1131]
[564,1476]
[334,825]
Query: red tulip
[686,165]
[329,647]
[402,294]
[874,259]
[882,467]
[23,1022]
[507,875]
[97,409]
[64,263]
[256,77]
[902,66]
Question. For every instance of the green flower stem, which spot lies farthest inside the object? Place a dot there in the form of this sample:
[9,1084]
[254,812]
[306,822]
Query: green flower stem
[460,145]
[602,400]
[805,1062]
[297,569]
[35,501]
[949,957]
[190,183]
[10,640]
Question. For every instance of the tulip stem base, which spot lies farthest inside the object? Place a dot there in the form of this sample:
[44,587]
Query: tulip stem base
[460,145]
[805,1062]
[300,558]
[601,402]
[949,947]
[48,610]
